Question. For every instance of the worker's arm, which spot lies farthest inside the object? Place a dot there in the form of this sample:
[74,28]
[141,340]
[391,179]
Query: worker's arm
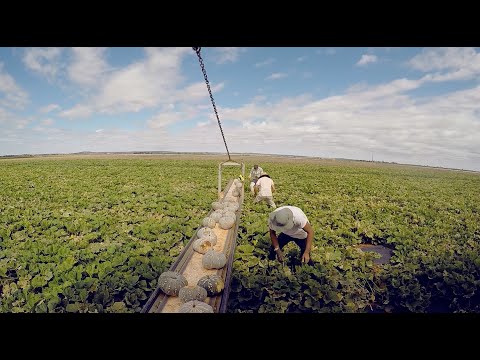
[276,247]
[273,238]
[256,189]
[273,188]
[309,230]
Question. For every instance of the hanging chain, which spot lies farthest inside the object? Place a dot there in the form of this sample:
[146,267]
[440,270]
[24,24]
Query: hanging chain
[197,50]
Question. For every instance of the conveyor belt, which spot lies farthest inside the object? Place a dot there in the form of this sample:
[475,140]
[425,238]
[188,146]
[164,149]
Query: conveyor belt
[189,264]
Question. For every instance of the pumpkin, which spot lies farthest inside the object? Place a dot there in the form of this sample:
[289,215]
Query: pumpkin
[204,231]
[235,192]
[195,306]
[202,245]
[229,213]
[230,198]
[216,215]
[239,186]
[217,205]
[189,293]
[226,222]
[214,260]
[212,237]
[232,207]
[170,282]
[212,283]
[209,222]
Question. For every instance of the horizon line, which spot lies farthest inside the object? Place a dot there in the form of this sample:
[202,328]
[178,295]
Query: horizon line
[146,152]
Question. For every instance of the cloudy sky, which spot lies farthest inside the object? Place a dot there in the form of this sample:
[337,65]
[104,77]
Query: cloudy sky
[408,105]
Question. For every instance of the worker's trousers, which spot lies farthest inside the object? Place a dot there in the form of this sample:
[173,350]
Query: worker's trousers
[268,199]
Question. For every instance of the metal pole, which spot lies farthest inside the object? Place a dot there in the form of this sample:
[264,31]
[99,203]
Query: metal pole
[219,179]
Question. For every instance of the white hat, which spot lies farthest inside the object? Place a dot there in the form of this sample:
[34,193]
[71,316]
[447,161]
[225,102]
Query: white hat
[281,219]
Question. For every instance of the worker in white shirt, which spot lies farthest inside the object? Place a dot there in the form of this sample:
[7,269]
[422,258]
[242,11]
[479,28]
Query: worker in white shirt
[255,173]
[264,188]
[289,223]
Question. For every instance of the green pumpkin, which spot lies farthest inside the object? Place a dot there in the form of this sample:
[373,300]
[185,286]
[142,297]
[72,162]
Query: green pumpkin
[214,260]
[195,306]
[226,222]
[232,207]
[170,282]
[216,215]
[229,213]
[216,205]
[189,293]
[212,283]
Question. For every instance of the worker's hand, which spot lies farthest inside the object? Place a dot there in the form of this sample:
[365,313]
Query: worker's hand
[280,256]
[305,258]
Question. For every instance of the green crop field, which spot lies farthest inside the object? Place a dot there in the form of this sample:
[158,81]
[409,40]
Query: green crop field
[93,234]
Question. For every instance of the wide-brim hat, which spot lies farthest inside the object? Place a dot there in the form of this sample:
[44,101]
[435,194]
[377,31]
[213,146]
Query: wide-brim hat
[281,220]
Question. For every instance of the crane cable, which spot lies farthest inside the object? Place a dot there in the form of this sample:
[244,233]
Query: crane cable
[200,60]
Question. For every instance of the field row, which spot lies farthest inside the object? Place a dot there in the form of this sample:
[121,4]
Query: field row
[93,235]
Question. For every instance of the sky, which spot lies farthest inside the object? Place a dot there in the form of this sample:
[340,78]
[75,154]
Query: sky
[406,105]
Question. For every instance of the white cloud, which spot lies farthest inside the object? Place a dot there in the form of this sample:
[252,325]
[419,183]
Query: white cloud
[443,130]
[183,113]
[47,122]
[99,130]
[228,54]
[5,116]
[22,123]
[379,91]
[197,91]
[44,61]
[88,66]
[78,111]
[301,58]
[49,108]
[163,119]
[367,59]
[276,76]
[266,62]
[445,58]
[142,84]
[11,94]
[457,63]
